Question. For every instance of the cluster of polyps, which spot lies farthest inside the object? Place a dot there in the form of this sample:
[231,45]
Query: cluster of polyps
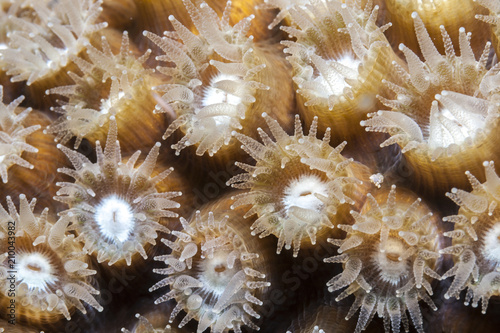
[389,256]
[51,276]
[442,103]
[207,109]
[115,207]
[296,185]
[212,275]
[476,240]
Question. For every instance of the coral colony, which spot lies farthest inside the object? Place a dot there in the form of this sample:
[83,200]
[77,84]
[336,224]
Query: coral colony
[240,166]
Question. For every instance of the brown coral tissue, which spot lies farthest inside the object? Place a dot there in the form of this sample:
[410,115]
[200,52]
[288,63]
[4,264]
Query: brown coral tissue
[298,166]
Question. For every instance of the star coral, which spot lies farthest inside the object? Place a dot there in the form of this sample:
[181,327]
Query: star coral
[111,83]
[445,100]
[241,64]
[339,56]
[441,107]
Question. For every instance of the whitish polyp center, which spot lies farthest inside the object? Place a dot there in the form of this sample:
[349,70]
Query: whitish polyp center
[334,82]
[107,104]
[453,125]
[215,273]
[35,270]
[215,95]
[491,247]
[115,218]
[387,259]
[302,193]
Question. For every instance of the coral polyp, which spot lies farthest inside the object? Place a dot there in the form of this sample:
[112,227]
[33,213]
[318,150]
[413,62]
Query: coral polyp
[51,275]
[114,207]
[214,79]
[213,274]
[13,136]
[339,57]
[441,107]
[493,18]
[296,185]
[41,48]
[326,60]
[476,246]
[445,100]
[399,12]
[389,258]
[111,84]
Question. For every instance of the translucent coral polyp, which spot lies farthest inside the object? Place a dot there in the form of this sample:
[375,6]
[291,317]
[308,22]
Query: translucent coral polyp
[50,269]
[476,247]
[296,185]
[114,206]
[110,84]
[207,108]
[39,49]
[212,275]
[441,104]
[389,259]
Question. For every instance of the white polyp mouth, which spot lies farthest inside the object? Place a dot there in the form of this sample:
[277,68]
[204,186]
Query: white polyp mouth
[387,260]
[215,273]
[491,245]
[302,193]
[35,270]
[115,218]
[107,104]
[334,83]
[214,95]
[454,122]
[349,61]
